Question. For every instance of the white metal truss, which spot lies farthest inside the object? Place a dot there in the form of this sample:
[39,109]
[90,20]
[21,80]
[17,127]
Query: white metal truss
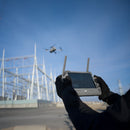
[25,80]
[120,87]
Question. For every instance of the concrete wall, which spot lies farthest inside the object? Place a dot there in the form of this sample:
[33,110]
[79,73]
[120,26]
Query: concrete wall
[19,104]
[26,104]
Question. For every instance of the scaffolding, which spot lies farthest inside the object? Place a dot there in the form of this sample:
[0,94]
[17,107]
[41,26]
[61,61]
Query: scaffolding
[21,78]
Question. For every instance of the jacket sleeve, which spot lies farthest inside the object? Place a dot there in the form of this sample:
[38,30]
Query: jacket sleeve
[120,110]
[112,98]
[81,115]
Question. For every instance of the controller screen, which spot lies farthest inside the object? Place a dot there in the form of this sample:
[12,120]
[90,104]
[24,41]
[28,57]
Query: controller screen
[82,80]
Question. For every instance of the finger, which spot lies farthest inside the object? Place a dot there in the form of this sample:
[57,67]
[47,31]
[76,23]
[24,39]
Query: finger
[100,97]
[98,79]
[59,77]
[67,81]
[95,76]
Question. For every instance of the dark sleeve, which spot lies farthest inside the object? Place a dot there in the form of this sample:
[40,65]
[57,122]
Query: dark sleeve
[81,115]
[120,110]
[112,98]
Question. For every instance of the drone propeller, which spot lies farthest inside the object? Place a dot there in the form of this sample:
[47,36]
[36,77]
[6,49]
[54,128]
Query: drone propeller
[46,49]
[52,46]
[60,48]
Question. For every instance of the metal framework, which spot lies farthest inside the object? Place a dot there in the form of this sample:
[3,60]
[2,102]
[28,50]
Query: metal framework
[120,88]
[21,78]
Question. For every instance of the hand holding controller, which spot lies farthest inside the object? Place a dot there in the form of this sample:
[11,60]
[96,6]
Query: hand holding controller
[104,88]
[62,83]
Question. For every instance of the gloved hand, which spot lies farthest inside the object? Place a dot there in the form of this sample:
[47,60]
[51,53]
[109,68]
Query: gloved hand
[61,84]
[104,88]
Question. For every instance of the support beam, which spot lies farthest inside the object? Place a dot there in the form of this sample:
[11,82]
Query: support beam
[17,58]
[46,75]
[35,69]
[15,75]
[45,78]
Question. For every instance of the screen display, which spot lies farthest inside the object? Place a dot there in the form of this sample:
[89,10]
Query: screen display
[81,80]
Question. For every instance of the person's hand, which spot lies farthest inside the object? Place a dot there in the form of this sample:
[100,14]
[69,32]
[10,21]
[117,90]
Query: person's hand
[61,84]
[104,88]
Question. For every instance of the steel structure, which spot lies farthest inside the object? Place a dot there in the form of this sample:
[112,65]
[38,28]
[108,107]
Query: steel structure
[120,88]
[21,78]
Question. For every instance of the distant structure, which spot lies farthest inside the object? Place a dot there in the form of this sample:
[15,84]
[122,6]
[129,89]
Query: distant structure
[120,88]
[21,78]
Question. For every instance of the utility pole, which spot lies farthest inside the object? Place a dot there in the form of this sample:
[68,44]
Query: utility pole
[53,88]
[120,87]
[45,79]
[35,68]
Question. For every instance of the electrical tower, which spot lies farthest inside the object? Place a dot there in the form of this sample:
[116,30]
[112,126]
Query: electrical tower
[22,78]
[120,87]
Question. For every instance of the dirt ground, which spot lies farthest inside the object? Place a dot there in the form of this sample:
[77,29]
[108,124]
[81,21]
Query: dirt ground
[45,118]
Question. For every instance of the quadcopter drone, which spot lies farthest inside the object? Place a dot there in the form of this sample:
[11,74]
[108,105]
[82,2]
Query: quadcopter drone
[53,49]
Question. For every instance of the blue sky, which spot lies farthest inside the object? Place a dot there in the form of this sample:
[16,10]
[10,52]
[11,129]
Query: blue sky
[99,30]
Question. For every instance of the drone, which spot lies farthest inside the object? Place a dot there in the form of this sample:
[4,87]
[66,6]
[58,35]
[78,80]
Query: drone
[53,49]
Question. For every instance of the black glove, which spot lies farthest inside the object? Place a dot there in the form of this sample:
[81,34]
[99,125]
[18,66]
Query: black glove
[104,88]
[61,84]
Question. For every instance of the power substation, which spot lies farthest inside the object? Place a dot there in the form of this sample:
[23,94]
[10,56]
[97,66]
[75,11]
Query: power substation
[22,78]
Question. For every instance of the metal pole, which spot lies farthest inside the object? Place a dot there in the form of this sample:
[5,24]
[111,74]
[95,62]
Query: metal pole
[5,90]
[45,74]
[16,83]
[42,95]
[14,89]
[53,88]
[45,79]
[31,91]
[28,89]
[36,68]
[120,87]
[38,89]
[53,85]
[3,77]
